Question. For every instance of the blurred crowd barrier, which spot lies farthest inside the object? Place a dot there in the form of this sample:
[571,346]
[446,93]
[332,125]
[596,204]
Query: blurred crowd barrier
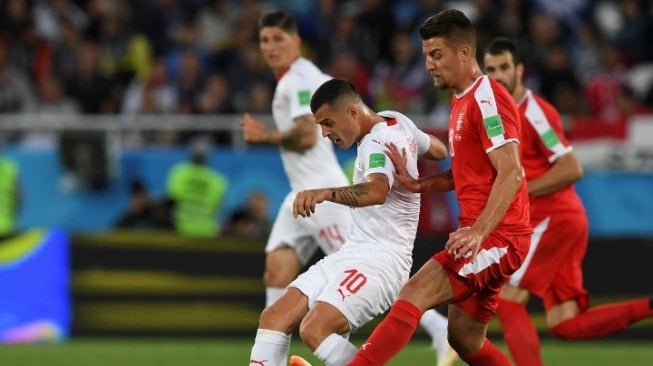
[75,171]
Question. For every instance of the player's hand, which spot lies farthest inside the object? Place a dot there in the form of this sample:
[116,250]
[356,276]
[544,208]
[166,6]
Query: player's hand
[464,243]
[305,201]
[253,129]
[401,174]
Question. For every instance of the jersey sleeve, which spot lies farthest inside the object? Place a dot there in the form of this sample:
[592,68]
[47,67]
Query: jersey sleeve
[497,114]
[545,120]
[372,154]
[299,95]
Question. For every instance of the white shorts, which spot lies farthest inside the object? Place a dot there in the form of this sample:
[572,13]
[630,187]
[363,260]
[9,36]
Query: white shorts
[327,229]
[361,281]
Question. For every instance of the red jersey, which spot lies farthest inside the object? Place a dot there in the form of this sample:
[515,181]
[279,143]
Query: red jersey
[483,118]
[543,143]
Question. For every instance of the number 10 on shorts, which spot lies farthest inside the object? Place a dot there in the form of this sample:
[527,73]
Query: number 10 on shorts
[352,283]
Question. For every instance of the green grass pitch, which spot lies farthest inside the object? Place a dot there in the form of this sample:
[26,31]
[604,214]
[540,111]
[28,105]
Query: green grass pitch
[227,352]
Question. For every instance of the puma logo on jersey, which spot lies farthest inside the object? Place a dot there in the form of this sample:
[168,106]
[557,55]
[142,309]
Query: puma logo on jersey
[257,362]
[488,101]
[364,346]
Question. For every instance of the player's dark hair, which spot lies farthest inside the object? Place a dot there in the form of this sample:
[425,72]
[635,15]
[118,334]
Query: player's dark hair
[332,91]
[277,18]
[500,45]
[452,25]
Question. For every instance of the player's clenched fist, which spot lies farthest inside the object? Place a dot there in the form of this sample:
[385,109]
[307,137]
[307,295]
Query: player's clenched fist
[305,201]
[253,130]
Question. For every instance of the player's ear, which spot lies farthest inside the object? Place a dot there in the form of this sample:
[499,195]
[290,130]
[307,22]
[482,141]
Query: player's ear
[520,70]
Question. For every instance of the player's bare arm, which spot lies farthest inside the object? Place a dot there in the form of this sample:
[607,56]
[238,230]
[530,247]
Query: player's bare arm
[505,160]
[299,138]
[437,150]
[565,171]
[373,192]
[441,182]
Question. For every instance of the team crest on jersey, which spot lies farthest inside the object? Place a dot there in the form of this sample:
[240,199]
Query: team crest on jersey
[459,121]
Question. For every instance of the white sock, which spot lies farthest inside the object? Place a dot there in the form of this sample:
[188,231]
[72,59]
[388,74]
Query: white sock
[272,294]
[434,323]
[270,348]
[335,350]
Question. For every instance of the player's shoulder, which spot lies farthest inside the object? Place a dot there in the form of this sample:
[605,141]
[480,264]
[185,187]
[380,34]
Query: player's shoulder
[542,103]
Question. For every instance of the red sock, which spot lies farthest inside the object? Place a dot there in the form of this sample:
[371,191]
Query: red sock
[390,336]
[603,320]
[519,333]
[489,354]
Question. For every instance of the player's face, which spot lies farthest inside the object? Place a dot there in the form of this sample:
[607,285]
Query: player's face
[442,62]
[279,47]
[338,124]
[502,68]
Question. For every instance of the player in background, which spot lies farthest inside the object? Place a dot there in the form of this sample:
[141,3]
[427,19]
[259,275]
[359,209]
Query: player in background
[309,161]
[348,288]
[494,233]
[552,268]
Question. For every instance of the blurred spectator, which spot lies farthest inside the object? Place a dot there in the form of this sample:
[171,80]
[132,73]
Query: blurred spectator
[190,83]
[558,75]
[186,41]
[124,54]
[143,212]
[51,100]
[10,196]
[15,88]
[250,221]
[215,96]
[14,16]
[196,191]
[152,95]
[602,89]
[215,24]
[399,85]
[634,37]
[92,90]
[48,15]
[66,50]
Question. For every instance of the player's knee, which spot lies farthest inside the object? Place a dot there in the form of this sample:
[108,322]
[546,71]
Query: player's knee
[281,267]
[465,343]
[273,318]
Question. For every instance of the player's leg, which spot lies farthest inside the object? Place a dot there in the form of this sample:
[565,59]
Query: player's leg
[322,330]
[363,282]
[281,267]
[289,247]
[467,336]
[435,324]
[567,320]
[429,287]
[276,323]
[567,303]
[519,333]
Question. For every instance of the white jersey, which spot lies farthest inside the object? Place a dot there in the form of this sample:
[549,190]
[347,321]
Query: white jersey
[317,167]
[394,223]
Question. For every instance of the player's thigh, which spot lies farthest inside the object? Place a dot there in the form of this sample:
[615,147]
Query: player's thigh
[290,232]
[428,287]
[320,322]
[281,267]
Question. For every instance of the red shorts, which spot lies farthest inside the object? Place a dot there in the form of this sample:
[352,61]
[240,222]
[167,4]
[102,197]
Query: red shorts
[476,285]
[552,268]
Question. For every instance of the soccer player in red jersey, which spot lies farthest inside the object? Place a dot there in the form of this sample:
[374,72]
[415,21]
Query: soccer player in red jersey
[494,233]
[552,268]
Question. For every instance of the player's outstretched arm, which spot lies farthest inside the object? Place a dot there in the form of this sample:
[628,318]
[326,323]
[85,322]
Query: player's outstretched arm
[372,192]
[300,138]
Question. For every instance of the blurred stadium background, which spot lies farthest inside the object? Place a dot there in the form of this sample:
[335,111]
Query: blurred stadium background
[98,94]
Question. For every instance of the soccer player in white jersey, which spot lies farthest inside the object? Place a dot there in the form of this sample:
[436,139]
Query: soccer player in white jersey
[346,289]
[308,159]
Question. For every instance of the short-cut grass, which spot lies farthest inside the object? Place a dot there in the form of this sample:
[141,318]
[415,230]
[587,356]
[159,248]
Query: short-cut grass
[228,352]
